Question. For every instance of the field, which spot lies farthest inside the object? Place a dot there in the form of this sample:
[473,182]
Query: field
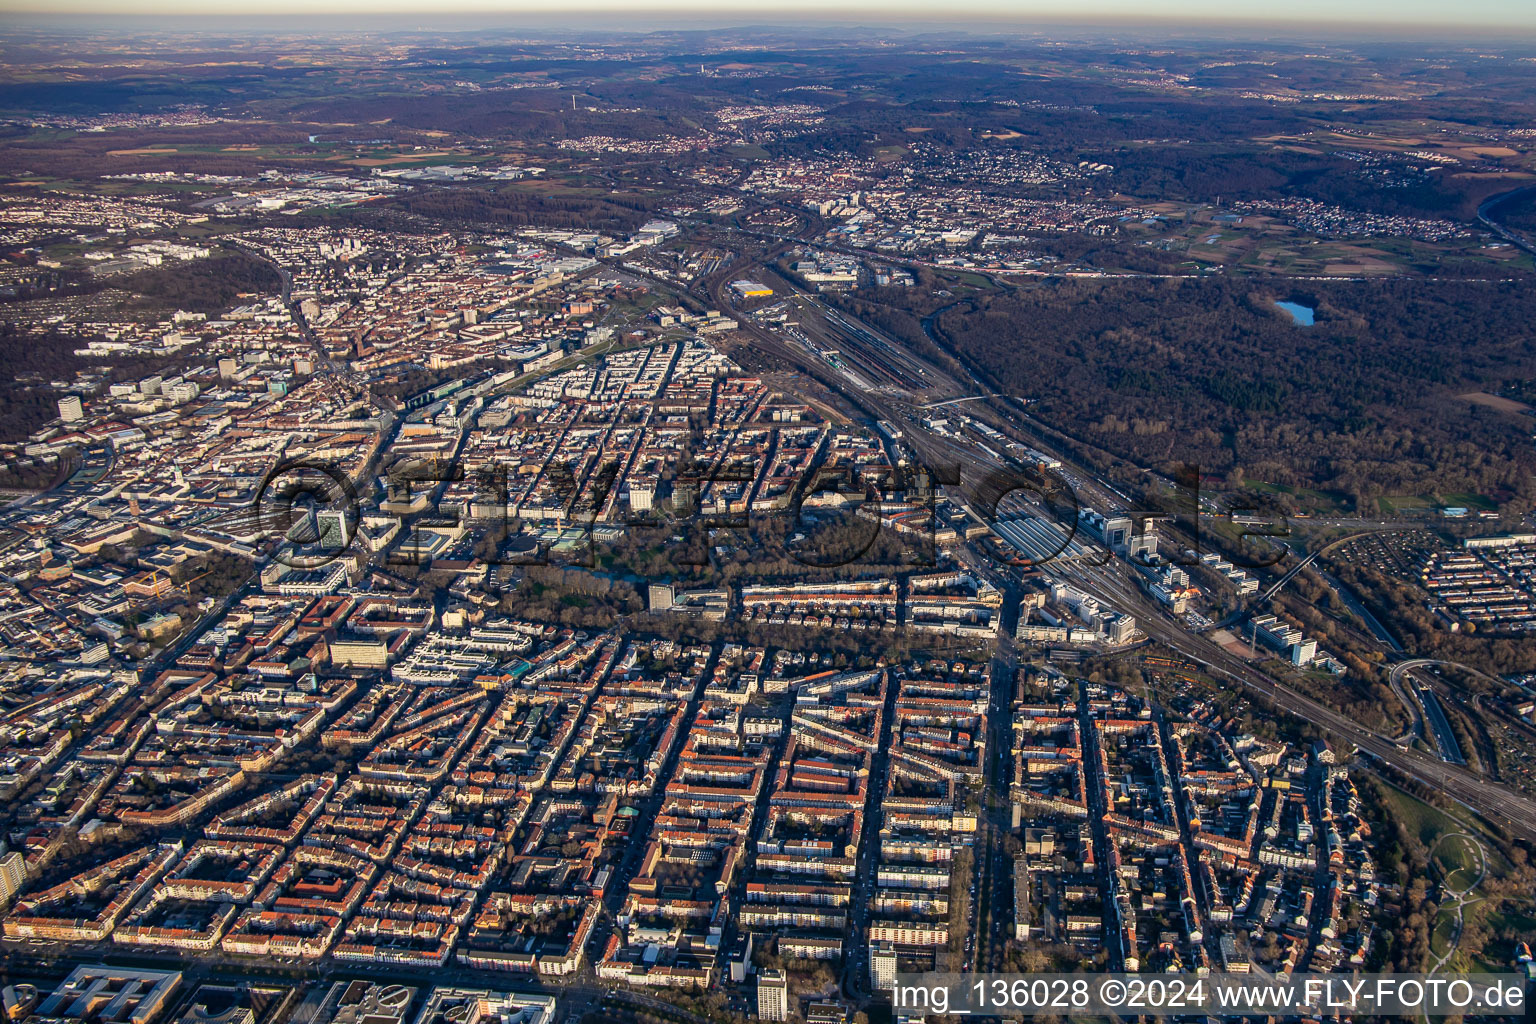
[1420,504]
[1458,862]
[1424,822]
[1310,500]
[1453,841]
[1495,402]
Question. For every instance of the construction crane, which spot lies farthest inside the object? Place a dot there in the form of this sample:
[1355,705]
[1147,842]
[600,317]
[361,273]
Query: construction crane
[186,587]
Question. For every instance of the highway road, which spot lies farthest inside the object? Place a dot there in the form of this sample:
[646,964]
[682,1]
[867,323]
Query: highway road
[1353,603]
[1485,213]
[1114,581]
[1445,738]
[1497,803]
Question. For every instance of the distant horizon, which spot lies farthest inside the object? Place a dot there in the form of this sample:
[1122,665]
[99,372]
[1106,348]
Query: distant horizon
[1491,20]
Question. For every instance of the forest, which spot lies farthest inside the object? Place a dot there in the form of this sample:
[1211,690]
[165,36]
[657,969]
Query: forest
[201,286]
[1366,402]
[28,358]
[1517,212]
[515,208]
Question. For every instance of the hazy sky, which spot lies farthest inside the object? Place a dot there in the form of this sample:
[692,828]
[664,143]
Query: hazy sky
[1295,14]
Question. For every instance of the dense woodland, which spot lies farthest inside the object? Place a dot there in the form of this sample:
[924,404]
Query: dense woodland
[1397,601]
[1366,403]
[34,357]
[201,286]
[1517,212]
[29,358]
[1209,372]
[516,208]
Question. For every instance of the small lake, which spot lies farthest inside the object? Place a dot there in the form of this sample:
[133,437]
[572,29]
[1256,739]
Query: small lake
[1300,315]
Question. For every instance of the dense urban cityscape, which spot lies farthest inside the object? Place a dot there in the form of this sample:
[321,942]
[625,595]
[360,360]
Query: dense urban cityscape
[692,526]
